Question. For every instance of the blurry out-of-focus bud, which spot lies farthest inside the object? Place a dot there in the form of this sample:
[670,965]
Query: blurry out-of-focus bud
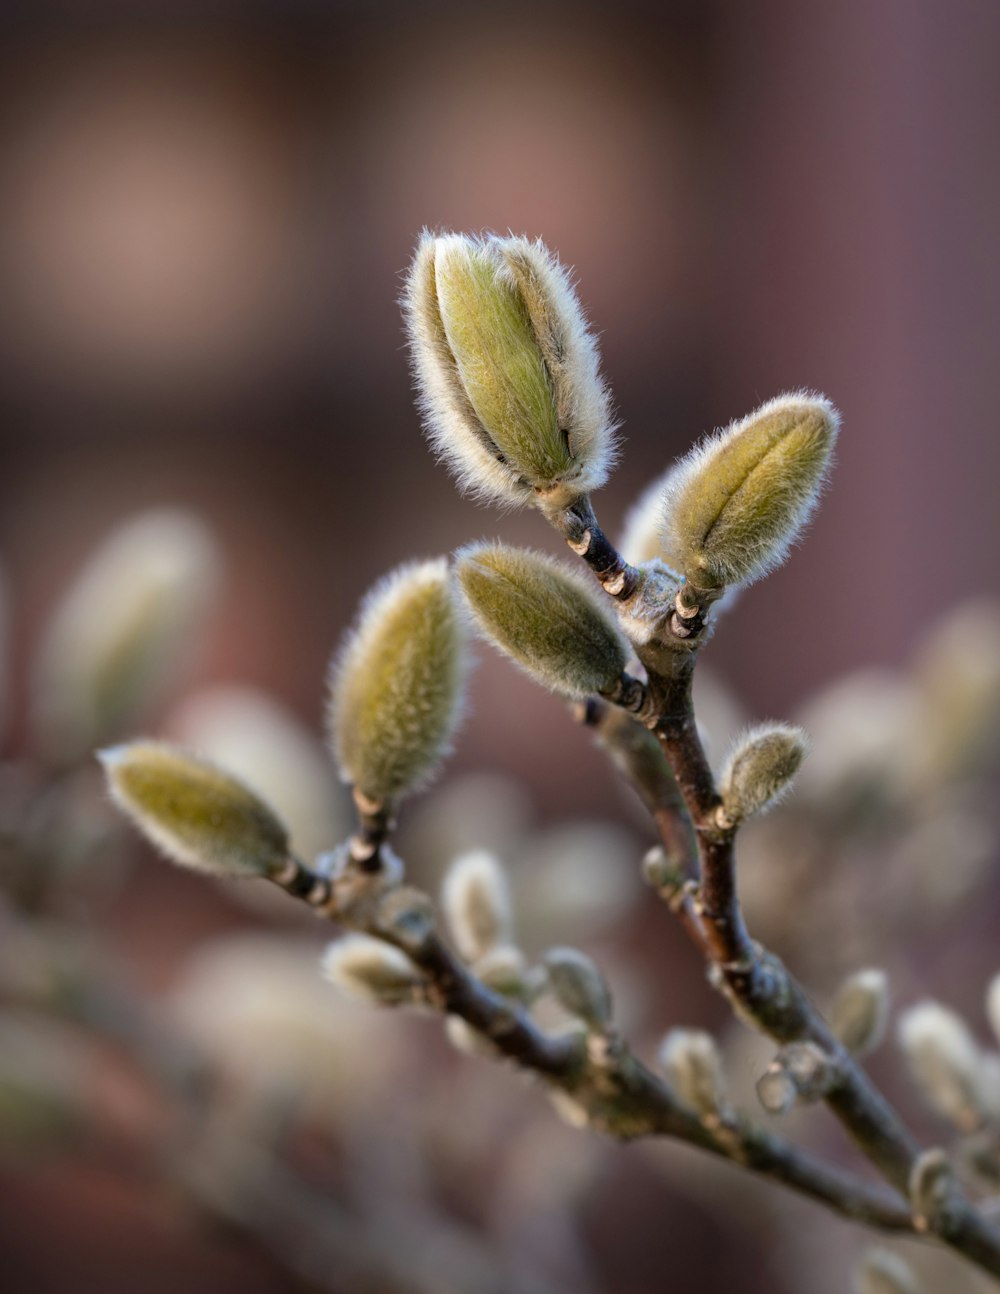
[476,901]
[734,506]
[759,770]
[504,969]
[372,970]
[993,1004]
[945,1062]
[860,1011]
[269,748]
[691,1062]
[932,1181]
[883,1272]
[577,876]
[507,369]
[197,814]
[544,616]
[579,987]
[465,1039]
[800,1072]
[396,685]
[121,629]
[640,541]
[4,638]
[957,678]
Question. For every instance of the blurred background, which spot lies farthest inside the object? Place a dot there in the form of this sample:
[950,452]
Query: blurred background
[205,213]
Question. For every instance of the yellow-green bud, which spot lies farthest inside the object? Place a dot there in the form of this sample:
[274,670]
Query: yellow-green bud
[507,369]
[759,770]
[691,1061]
[476,901]
[883,1272]
[546,618]
[860,1011]
[579,986]
[371,969]
[396,685]
[198,815]
[733,507]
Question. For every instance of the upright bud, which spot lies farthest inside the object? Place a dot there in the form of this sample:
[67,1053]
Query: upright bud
[121,629]
[883,1272]
[198,815]
[691,1061]
[477,905]
[993,1004]
[733,507]
[396,685]
[372,970]
[545,617]
[860,1011]
[579,986]
[507,369]
[945,1062]
[759,770]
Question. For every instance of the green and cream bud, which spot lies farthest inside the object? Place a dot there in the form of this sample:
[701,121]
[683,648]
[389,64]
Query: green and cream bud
[759,770]
[544,617]
[396,685]
[371,970]
[507,369]
[197,814]
[860,1011]
[477,904]
[579,987]
[693,1067]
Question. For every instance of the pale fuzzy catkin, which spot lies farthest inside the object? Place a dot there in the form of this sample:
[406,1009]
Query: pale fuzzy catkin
[690,1059]
[371,969]
[945,1062]
[759,770]
[883,1272]
[396,685]
[735,504]
[544,616]
[199,815]
[477,904]
[860,1011]
[522,353]
[579,986]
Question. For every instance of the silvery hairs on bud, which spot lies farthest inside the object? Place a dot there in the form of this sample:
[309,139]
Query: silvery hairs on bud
[507,369]
[197,814]
[544,616]
[578,986]
[760,769]
[860,1011]
[371,969]
[691,1061]
[396,685]
[736,503]
[477,904]
[945,1062]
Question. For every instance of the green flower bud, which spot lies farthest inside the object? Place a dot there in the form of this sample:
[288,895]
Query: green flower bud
[579,986]
[507,369]
[396,686]
[733,507]
[883,1272]
[759,770]
[691,1061]
[198,815]
[372,970]
[545,617]
[860,1011]
[476,901]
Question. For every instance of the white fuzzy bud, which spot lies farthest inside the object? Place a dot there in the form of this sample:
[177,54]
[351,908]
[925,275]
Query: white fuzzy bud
[371,969]
[691,1062]
[993,1004]
[883,1272]
[860,1011]
[579,986]
[477,906]
[945,1062]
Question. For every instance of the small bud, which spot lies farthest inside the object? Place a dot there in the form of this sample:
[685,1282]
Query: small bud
[122,629]
[691,1061]
[504,970]
[945,1062]
[734,506]
[507,369]
[883,1272]
[579,986]
[759,770]
[198,815]
[932,1182]
[800,1072]
[860,1011]
[396,684]
[993,1004]
[477,905]
[370,969]
[545,617]
[465,1039]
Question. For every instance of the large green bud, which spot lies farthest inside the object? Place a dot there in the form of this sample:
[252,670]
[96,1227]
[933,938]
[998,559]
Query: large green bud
[507,369]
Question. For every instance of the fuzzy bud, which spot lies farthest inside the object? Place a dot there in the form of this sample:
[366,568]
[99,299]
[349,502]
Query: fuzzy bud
[546,618]
[860,1011]
[476,901]
[802,1072]
[579,986]
[883,1272]
[396,685]
[505,970]
[507,369]
[759,770]
[734,506]
[945,1062]
[691,1061]
[198,815]
[931,1184]
[371,969]
[993,1004]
